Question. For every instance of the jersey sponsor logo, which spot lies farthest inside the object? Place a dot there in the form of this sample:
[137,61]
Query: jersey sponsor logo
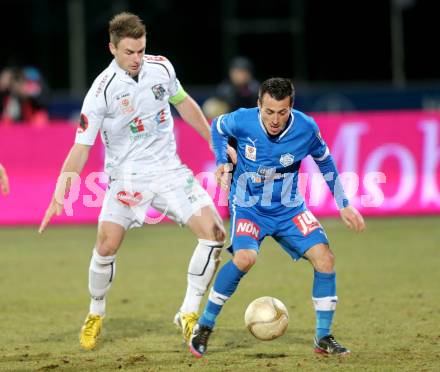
[247,228]
[306,222]
[286,159]
[251,153]
[160,117]
[123,95]
[128,198]
[124,102]
[158,91]
[136,125]
[266,173]
[83,123]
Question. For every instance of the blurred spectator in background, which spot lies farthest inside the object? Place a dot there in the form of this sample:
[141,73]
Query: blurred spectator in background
[24,96]
[4,182]
[240,89]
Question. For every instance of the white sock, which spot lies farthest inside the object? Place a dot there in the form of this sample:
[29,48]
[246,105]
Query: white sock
[201,270]
[101,274]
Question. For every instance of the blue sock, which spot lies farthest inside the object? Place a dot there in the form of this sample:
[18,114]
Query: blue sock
[225,285]
[324,321]
[324,301]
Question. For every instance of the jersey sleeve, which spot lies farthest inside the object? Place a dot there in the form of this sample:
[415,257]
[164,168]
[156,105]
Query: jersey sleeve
[327,166]
[222,128]
[226,125]
[175,90]
[318,148]
[93,111]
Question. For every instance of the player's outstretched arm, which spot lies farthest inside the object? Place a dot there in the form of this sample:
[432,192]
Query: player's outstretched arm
[352,218]
[54,208]
[72,167]
[191,112]
[4,181]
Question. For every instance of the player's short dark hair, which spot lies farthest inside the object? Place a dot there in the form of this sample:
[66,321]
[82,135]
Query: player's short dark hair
[277,88]
[124,25]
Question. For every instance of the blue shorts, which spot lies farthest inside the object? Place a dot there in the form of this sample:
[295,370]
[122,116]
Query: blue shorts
[296,233]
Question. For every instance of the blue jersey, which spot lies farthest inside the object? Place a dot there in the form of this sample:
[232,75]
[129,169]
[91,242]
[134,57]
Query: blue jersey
[266,175]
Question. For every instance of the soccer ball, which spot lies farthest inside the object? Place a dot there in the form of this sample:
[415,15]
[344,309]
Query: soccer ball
[266,318]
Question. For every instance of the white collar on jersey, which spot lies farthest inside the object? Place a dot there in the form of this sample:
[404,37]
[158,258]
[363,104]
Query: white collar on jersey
[124,75]
[291,120]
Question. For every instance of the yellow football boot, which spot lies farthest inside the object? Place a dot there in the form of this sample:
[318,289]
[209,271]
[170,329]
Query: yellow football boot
[88,337]
[186,322]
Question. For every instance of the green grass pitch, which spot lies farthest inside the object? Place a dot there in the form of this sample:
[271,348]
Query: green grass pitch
[388,312]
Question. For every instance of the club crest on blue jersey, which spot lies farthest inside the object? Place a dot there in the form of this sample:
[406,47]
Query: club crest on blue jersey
[286,159]
[158,91]
[251,153]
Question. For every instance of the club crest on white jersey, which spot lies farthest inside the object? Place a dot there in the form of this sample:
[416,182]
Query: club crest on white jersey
[158,91]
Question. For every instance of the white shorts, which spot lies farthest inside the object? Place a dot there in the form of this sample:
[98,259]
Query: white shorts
[176,194]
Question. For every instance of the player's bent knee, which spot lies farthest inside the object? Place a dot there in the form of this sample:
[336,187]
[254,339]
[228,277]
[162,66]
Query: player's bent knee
[326,262]
[244,259]
[107,247]
[110,236]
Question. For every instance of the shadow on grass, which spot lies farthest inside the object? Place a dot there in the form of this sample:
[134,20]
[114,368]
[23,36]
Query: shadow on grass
[123,328]
[114,328]
[240,342]
[266,355]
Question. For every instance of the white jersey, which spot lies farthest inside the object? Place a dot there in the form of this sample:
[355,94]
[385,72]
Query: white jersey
[134,118]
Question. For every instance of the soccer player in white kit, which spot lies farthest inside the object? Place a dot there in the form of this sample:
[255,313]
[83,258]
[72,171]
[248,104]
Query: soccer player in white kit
[128,104]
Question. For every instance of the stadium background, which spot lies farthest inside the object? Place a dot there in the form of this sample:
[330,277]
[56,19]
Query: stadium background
[367,71]
[380,54]
[341,62]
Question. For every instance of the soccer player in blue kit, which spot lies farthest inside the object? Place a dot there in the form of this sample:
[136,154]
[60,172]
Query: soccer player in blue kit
[272,140]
